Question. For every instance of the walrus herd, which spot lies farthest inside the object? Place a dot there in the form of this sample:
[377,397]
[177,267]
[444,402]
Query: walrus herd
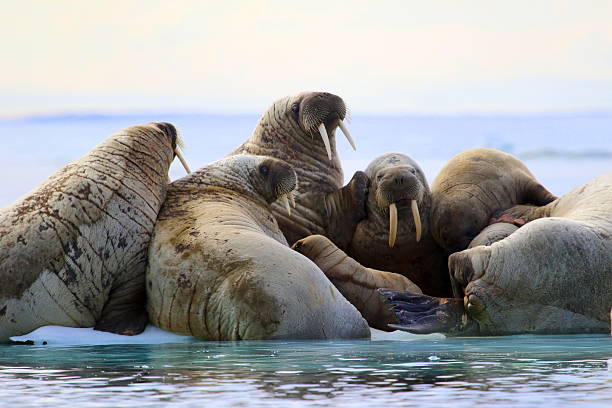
[267,243]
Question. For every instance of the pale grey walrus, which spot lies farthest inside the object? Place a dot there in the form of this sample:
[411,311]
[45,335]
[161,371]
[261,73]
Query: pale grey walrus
[396,236]
[471,190]
[300,130]
[220,268]
[73,251]
[551,276]
[357,283]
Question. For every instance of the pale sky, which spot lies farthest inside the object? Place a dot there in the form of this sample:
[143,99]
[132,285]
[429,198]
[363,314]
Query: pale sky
[238,56]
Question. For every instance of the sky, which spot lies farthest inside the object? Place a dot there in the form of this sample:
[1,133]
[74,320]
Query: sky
[382,57]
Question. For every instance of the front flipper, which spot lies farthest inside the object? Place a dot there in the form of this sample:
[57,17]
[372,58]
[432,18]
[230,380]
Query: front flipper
[355,282]
[345,208]
[422,314]
[125,311]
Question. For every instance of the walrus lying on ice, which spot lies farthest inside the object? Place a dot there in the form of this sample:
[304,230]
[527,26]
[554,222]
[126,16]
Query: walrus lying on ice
[220,268]
[73,251]
[552,276]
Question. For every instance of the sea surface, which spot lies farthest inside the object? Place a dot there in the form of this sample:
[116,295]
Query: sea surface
[82,368]
[563,151]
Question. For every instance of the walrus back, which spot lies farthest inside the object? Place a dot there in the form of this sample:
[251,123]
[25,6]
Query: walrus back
[75,247]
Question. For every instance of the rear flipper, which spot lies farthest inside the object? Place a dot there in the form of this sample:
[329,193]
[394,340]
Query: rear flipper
[125,311]
[422,314]
[345,208]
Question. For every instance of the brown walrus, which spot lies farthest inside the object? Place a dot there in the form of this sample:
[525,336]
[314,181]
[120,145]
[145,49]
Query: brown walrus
[471,191]
[73,251]
[220,268]
[396,236]
[300,130]
[551,276]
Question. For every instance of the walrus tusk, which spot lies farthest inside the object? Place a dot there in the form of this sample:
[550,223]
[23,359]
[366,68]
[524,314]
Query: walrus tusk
[285,201]
[182,160]
[347,134]
[392,224]
[417,219]
[291,198]
[325,138]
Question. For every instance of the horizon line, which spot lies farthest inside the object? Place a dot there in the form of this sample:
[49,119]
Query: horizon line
[101,114]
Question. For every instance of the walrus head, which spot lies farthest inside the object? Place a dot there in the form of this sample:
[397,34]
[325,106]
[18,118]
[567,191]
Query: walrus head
[177,142]
[274,179]
[296,121]
[322,113]
[398,183]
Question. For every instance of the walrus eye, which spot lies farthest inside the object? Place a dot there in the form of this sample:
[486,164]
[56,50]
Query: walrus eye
[413,171]
[295,108]
[264,170]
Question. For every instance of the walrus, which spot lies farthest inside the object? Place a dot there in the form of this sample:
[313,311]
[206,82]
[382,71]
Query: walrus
[357,283]
[550,276]
[73,251]
[220,268]
[300,130]
[473,188]
[396,236]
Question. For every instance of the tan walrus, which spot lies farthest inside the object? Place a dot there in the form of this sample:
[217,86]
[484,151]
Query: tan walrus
[220,268]
[551,276]
[73,251]
[300,130]
[473,188]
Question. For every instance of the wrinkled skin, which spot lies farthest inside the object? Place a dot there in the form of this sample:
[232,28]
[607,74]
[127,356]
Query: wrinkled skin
[220,268]
[551,276]
[288,131]
[396,178]
[473,188]
[73,251]
[357,283]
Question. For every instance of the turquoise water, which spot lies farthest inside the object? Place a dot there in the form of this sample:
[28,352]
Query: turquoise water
[517,371]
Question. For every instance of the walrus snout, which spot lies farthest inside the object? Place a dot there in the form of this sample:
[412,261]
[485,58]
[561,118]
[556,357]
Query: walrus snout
[397,185]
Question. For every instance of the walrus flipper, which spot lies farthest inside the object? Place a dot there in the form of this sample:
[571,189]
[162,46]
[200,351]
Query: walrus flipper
[345,208]
[536,194]
[422,314]
[125,311]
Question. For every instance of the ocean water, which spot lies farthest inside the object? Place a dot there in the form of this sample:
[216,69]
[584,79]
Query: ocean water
[82,368]
[562,151]
[76,369]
